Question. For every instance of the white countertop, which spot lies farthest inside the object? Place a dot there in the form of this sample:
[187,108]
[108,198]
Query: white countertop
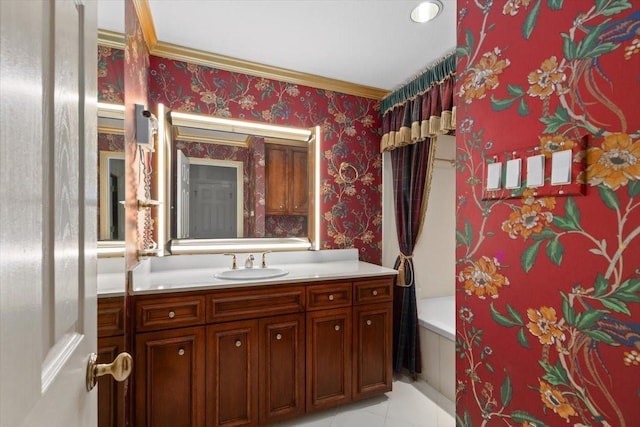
[194,272]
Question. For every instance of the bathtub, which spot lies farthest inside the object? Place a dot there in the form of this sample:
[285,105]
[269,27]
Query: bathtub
[437,317]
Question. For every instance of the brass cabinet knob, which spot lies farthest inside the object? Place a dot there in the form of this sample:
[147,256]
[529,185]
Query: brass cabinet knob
[172,314]
[238,343]
[278,336]
[181,352]
[337,327]
[119,369]
[368,322]
[375,292]
[331,297]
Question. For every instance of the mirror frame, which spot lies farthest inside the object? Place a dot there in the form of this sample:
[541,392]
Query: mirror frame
[174,119]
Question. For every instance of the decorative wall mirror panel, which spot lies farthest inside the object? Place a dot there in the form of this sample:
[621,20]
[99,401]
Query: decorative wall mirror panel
[234,185]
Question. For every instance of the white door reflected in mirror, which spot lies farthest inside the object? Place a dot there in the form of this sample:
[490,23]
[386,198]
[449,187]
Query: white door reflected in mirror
[111,194]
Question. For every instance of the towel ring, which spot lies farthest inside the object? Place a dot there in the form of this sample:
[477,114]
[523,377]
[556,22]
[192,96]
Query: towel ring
[343,166]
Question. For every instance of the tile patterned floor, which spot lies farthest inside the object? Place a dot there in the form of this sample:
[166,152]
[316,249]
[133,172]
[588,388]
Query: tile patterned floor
[408,405]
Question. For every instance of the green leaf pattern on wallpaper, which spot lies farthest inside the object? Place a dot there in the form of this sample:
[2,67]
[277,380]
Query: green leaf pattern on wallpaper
[567,339]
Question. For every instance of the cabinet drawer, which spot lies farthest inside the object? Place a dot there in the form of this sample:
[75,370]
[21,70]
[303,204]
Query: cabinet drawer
[163,313]
[332,295]
[254,303]
[110,317]
[372,291]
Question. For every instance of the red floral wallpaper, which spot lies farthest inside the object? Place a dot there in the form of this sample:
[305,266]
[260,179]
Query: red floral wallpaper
[548,294]
[351,212]
[351,209]
[138,231]
[110,75]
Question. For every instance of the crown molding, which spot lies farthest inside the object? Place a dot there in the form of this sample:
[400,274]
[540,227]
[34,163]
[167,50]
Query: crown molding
[195,56]
[146,23]
[111,39]
[200,57]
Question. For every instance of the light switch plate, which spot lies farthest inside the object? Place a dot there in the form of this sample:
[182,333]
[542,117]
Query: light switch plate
[514,168]
[535,171]
[561,167]
[494,172]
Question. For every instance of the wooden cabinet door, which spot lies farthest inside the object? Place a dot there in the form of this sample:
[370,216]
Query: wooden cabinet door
[232,373]
[372,346]
[169,368]
[299,195]
[328,358]
[277,185]
[281,368]
[110,392]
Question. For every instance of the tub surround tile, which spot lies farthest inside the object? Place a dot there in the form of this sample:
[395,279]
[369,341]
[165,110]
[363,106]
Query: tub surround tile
[430,343]
[447,368]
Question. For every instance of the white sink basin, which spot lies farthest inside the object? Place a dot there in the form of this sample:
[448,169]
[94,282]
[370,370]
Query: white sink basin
[251,273]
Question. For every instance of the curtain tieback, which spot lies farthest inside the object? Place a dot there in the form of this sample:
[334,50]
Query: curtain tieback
[401,271]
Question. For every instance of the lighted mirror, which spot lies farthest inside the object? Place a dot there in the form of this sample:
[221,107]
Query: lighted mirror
[110,179]
[234,185]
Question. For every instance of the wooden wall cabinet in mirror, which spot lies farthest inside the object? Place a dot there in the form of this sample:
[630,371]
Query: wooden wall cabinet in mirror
[287,179]
[229,207]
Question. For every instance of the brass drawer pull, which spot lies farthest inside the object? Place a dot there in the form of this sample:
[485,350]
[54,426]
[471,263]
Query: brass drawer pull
[172,314]
[374,292]
[278,336]
[337,327]
[368,322]
[238,343]
[181,352]
[330,297]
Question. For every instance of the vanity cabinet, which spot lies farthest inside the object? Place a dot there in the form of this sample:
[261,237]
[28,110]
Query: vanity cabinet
[170,378]
[287,189]
[259,355]
[328,344]
[282,368]
[169,360]
[110,344]
[372,337]
[328,358]
[232,373]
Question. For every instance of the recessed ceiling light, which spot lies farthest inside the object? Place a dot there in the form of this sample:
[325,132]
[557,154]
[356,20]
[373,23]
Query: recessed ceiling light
[426,11]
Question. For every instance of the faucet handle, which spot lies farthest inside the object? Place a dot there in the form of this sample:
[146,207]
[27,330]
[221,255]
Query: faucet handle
[264,259]
[249,262]
[234,266]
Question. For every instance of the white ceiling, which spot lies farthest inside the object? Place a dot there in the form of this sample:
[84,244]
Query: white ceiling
[367,42]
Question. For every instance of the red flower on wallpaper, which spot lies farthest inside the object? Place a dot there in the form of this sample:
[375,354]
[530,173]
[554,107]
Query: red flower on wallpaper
[544,325]
[531,217]
[555,400]
[483,76]
[547,79]
[512,7]
[482,278]
[615,163]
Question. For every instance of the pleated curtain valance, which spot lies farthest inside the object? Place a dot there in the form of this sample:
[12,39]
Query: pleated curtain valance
[421,109]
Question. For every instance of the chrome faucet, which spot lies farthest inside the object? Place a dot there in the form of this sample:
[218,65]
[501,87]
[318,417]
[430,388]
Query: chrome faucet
[249,262]
[264,259]
[234,266]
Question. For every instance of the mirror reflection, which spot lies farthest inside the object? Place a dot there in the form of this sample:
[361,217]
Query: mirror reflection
[110,172]
[237,183]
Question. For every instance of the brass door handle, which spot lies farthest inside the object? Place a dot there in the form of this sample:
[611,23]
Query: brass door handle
[120,369]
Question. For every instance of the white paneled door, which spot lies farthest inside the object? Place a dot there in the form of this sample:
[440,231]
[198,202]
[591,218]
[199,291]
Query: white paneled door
[48,226]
